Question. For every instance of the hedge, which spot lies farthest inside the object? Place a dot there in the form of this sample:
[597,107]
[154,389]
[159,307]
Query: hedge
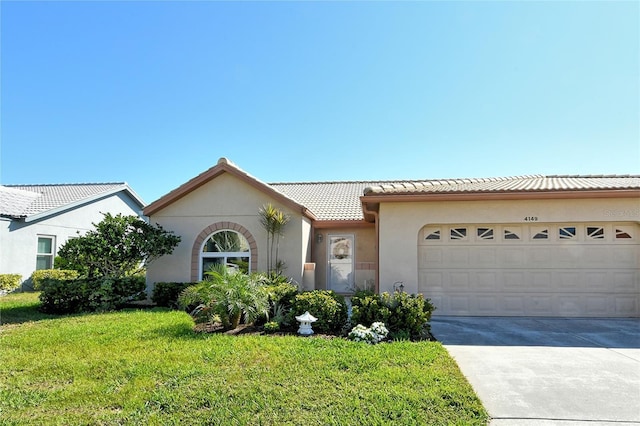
[9,282]
[90,294]
[37,277]
[166,293]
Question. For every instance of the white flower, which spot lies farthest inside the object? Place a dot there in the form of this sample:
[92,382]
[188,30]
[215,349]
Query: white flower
[374,334]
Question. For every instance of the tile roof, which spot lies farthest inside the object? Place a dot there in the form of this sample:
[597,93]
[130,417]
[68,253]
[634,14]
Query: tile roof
[14,202]
[328,200]
[341,200]
[29,200]
[534,183]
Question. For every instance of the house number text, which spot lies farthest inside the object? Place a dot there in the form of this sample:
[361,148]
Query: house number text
[531,218]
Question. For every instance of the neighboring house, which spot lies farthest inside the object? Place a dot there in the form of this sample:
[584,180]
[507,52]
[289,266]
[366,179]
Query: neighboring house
[36,220]
[518,246]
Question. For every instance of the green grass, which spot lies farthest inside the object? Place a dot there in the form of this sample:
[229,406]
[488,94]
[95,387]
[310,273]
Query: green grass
[149,367]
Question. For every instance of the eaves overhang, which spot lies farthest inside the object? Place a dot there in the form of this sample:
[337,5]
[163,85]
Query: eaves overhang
[340,224]
[372,201]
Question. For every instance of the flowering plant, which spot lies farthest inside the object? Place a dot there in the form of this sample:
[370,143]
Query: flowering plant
[372,335]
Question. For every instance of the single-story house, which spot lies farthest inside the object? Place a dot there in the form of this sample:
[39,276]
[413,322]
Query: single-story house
[513,246]
[35,220]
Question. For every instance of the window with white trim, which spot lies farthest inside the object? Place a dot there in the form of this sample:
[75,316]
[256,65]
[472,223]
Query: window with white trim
[540,233]
[484,233]
[46,250]
[623,234]
[595,233]
[511,234]
[228,248]
[458,234]
[567,232]
[432,233]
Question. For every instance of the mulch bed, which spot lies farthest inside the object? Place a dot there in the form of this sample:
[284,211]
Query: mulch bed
[250,329]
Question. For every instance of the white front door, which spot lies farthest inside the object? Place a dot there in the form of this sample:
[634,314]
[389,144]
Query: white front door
[341,268]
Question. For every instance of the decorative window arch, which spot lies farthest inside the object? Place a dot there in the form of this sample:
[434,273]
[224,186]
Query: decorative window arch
[218,244]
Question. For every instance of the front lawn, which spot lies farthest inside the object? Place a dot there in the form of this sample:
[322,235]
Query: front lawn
[149,367]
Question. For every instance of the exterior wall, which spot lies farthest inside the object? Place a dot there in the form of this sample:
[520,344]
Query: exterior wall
[226,199]
[365,255]
[400,224]
[19,240]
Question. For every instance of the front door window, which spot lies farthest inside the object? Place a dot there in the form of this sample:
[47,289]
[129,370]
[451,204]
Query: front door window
[341,267]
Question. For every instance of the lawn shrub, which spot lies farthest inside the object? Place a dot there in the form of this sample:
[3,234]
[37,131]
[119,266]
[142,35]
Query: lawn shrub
[227,296]
[406,316]
[10,282]
[281,291]
[89,294]
[328,306]
[59,274]
[166,293]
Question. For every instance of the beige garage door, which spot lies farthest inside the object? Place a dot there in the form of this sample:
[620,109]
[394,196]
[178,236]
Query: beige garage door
[531,269]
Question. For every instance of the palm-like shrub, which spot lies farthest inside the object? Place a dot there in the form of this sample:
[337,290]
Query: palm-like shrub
[226,296]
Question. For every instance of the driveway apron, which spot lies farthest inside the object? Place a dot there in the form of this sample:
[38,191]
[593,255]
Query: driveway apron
[549,371]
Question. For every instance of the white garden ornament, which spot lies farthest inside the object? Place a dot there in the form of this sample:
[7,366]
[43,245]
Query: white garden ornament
[305,321]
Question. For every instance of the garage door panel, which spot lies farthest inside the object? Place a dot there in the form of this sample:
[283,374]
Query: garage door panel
[486,305]
[568,281]
[514,281]
[626,257]
[550,276]
[460,303]
[430,256]
[626,306]
[457,257]
[542,280]
[431,282]
[485,257]
[539,305]
[486,281]
[625,281]
[513,304]
[459,280]
[512,257]
[599,304]
[598,281]
[596,257]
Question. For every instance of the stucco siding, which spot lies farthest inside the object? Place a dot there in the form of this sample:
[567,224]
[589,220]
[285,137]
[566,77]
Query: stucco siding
[19,240]
[365,255]
[400,224]
[226,199]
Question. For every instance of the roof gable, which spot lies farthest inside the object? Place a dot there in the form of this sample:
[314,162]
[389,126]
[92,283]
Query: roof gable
[224,166]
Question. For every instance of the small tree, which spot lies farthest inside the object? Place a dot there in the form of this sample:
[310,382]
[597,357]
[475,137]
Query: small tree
[273,220]
[119,246]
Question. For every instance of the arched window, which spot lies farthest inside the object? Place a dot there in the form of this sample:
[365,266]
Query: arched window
[228,248]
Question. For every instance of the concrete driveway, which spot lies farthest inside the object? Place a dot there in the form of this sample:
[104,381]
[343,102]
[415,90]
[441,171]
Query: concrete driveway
[549,371]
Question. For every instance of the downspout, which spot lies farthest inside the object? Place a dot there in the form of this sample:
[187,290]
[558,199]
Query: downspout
[375,215]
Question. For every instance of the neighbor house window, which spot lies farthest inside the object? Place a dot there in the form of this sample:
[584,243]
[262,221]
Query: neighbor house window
[227,248]
[44,258]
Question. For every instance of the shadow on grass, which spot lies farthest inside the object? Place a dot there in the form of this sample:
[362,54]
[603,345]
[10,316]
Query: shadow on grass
[22,314]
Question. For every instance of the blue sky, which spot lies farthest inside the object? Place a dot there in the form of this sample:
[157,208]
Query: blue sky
[153,93]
